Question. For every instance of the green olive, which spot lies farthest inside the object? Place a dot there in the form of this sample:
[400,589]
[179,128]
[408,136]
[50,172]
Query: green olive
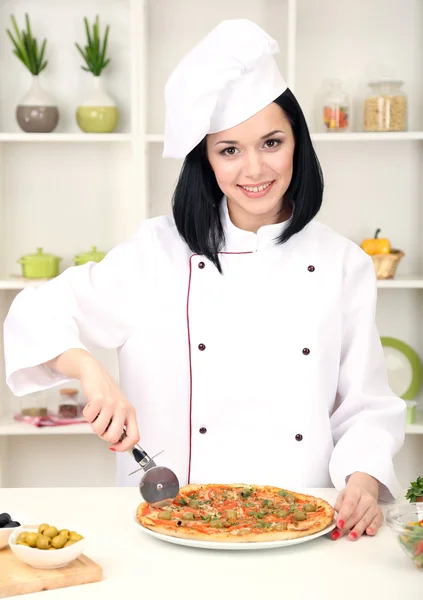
[75,536]
[309,508]
[42,527]
[188,516]
[43,542]
[50,532]
[300,516]
[59,541]
[282,514]
[65,533]
[166,514]
[279,526]
[22,537]
[231,514]
[31,538]
[193,503]
[69,543]
[216,523]
[290,498]
[23,544]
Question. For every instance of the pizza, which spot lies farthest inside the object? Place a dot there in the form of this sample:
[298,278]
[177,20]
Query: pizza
[237,513]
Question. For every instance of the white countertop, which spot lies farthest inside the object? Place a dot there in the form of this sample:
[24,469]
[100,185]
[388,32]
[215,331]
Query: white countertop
[135,565]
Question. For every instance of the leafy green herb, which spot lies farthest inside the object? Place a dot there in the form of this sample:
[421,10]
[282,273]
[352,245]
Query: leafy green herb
[182,502]
[282,493]
[265,502]
[95,53]
[26,47]
[415,490]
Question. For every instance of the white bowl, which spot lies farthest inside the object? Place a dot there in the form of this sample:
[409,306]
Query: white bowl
[44,559]
[5,533]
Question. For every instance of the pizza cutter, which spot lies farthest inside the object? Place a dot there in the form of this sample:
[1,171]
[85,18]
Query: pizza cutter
[158,485]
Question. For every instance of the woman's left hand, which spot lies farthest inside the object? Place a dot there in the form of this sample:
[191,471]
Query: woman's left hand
[357,508]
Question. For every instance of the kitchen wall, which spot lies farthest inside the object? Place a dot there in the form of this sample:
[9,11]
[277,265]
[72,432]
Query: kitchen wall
[67,196]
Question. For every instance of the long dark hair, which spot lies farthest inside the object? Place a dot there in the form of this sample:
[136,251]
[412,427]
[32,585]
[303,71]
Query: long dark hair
[197,197]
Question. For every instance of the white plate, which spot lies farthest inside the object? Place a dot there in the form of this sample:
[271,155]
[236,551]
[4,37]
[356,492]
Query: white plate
[235,545]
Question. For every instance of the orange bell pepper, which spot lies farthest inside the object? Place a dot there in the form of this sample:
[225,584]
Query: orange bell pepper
[376,245]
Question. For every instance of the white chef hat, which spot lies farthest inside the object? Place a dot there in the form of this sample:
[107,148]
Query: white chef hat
[224,80]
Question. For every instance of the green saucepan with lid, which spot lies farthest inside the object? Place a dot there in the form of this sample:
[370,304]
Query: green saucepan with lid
[95,255]
[39,265]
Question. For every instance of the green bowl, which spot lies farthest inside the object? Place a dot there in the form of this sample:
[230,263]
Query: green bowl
[97,119]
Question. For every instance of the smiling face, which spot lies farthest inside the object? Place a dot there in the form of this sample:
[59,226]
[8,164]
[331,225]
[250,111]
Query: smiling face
[253,165]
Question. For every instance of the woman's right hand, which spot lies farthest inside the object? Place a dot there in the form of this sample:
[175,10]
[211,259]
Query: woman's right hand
[107,409]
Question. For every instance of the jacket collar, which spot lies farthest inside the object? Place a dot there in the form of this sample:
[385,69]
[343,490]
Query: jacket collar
[239,240]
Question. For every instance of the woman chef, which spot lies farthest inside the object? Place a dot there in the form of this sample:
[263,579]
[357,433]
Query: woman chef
[245,329]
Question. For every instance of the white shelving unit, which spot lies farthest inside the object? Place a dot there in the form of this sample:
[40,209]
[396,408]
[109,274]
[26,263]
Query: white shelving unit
[358,136]
[8,426]
[68,190]
[65,137]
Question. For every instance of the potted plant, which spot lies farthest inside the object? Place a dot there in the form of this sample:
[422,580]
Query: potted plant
[37,111]
[98,113]
[415,491]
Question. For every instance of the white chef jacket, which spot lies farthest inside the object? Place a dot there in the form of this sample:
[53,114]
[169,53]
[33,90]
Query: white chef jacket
[272,373]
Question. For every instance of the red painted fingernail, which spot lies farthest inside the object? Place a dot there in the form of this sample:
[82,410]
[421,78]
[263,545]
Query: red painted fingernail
[112,449]
[335,535]
[354,535]
[341,523]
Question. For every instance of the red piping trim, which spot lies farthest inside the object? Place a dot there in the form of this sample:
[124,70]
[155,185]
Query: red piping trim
[189,355]
[190,370]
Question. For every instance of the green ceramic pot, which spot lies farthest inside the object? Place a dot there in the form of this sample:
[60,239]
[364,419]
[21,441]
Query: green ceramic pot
[84,257]
[98,113]
[39,265]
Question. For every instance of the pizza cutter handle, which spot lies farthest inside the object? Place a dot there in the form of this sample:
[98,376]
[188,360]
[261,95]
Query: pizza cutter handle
[139,454]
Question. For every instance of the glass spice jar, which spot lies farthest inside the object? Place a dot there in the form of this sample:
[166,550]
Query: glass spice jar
[34,405]
[385,109]
[69,403]
[336,110]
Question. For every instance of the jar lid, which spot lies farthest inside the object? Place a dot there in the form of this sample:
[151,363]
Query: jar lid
[94,255]
[387,80]
[68,391]
[39,255]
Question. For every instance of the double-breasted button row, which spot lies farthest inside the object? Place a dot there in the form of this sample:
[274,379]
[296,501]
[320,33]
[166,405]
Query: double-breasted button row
[298,437]
[310,268]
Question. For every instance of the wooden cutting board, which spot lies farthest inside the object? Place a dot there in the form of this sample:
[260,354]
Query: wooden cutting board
[17,578]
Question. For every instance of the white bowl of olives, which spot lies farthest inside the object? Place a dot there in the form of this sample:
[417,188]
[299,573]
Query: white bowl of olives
[46,547]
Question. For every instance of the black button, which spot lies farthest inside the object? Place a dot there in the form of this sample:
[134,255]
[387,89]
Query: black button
[201,347]
[311,268]
[298,437]
[203,430]
[201,265]
[306,351]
